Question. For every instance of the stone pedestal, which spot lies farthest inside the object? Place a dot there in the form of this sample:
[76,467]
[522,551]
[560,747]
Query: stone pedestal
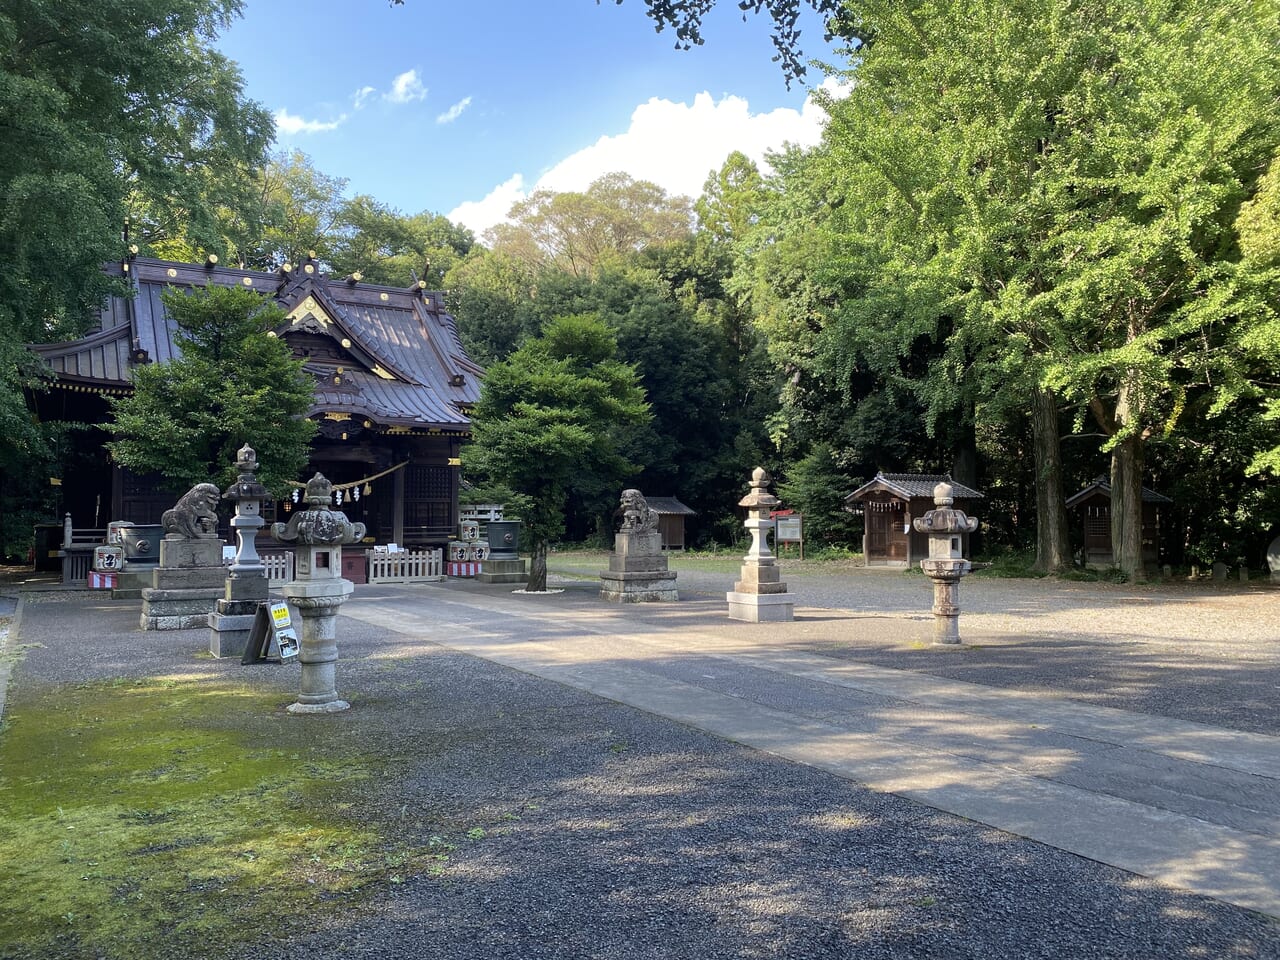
[503,571]
[317,602]
[760,596]
[232,619]
[637,570]
[185,587]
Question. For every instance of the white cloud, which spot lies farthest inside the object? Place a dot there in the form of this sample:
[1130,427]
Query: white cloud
[406,88]
[361,96]
[288,125]
[454,112]
[480,215]
[675,145]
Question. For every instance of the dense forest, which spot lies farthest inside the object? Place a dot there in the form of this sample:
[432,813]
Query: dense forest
[1039,243]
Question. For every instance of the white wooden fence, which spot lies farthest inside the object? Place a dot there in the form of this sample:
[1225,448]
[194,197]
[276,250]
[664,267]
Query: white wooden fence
[279,567]
[407,566]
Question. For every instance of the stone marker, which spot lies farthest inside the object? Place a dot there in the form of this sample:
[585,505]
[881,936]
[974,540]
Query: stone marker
[1244,573]
[637,567]
[1219,572]
[1273,560]
[760,596]
[186,586]
[946,563]
[317,591]
[246,586]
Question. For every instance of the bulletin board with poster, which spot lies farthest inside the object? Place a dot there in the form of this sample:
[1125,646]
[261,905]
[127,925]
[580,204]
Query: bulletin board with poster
[788,527]
[272,638]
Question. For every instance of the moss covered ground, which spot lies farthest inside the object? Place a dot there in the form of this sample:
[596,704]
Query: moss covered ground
[163,817]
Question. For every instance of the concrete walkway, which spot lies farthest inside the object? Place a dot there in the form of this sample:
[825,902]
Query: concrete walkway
[1187,804]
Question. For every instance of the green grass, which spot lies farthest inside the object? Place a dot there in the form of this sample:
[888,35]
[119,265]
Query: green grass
[580,561]
[189,812]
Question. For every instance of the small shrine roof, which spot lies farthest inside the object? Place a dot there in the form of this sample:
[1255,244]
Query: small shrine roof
[669,506]
[1102,485]
[909,486]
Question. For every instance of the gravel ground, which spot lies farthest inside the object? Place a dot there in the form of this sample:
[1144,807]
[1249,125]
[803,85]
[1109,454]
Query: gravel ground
[612,833]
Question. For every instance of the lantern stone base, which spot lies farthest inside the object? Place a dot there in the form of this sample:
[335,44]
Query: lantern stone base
[503,571]
[639,586]
[762,607]
[330,706]
[232,620]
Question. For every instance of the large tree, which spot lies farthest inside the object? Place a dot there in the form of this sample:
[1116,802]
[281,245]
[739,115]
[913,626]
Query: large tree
[115,116]
[578,231]
[103,105]
[1046,191]
[554,417]
[233,384]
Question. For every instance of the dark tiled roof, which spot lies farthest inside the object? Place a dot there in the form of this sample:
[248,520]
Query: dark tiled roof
[911,485]
[1103,485]
[99,357]
[417,372]
[669,505]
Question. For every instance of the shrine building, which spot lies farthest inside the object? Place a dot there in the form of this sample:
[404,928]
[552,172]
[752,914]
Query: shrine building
[394,388]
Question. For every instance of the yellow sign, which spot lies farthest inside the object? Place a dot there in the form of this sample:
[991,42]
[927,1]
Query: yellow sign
[455,461]
[280,615]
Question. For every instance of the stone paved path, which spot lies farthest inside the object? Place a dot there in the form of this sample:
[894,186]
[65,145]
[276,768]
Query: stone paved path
[1192,805]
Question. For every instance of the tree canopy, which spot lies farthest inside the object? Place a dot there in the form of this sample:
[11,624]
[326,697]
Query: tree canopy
[555,418]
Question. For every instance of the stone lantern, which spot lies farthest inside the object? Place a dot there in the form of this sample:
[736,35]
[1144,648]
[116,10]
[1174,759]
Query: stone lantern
[317,591]
[761,595]
[246,585]
[946,564]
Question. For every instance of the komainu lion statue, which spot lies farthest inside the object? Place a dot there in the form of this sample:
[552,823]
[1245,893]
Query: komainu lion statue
[195,515]
[637,515]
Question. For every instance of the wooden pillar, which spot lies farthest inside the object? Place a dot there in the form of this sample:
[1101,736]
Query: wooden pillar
[397,513]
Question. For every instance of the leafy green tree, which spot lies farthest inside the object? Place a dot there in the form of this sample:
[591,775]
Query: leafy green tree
[1044,191]
[816,487]
[492,296]
[233,384]
[114,115]
[576,232]
[386,247]
[299,210]
[99,103]
[553,416]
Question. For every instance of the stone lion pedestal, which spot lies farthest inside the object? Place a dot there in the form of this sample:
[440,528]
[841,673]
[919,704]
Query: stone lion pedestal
[637,567]
[186,586]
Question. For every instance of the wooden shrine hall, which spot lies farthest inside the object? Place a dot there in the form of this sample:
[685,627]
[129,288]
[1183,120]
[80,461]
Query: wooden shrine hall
[393,391]
[889,503]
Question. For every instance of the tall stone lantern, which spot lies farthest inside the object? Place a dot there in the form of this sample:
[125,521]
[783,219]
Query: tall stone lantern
[761,595]
[946,564]
[246,585]
[317,591]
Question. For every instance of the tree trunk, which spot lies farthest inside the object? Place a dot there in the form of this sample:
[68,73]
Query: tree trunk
[964,455]
[1126,508]
[1053,546]
[538,568]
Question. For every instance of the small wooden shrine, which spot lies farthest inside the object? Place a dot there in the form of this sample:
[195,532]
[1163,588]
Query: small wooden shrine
[889,503]
[1093,506]
[671,513]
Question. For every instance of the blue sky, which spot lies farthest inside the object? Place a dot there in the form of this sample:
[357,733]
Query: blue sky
[461,107]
